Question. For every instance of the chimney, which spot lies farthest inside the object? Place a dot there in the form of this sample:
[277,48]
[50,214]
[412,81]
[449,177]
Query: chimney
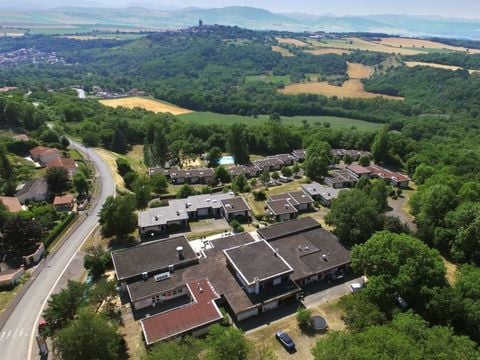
[180,252]
[257,285]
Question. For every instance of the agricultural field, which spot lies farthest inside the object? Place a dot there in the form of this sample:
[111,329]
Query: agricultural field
[284,52]
[147,104]
[420,43]
[349,89]
[355,43]
[209,118]
[290,41]
[359,71]
[324,51]
[352,88]
[438,66]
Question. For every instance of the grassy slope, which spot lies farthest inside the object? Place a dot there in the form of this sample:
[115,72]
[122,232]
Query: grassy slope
[335,122]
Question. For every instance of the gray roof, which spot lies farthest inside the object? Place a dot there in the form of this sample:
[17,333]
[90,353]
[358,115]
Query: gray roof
[193,203]
[312,252]
[35,186]
[288,228]
[257,260]
[341,176]
[280,206]
[235,204]
[161,216]
[152,257]
[324,191]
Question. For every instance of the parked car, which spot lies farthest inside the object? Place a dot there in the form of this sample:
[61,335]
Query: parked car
[285,340]
[356,287]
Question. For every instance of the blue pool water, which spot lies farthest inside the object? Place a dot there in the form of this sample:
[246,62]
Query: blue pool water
[226,160]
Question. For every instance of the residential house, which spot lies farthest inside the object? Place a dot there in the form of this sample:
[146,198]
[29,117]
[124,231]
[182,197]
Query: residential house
[64,203]
[235,207]
[340,179]
[189,176]
[359,170]
[298,199]
[67,163]
[34,190]
[281,210]
[392,177]
[320,192]
[286,159]
[11,203]
[44,154]
[299,155]
[311,251]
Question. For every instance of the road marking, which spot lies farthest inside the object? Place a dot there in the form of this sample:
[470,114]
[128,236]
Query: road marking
[1,337]
[21,332]
[9,332]
[37,319]
[14,333]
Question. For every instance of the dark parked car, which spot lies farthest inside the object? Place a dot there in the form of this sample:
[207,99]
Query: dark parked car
[285,340]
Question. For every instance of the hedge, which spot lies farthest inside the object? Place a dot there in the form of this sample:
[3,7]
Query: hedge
[57,230]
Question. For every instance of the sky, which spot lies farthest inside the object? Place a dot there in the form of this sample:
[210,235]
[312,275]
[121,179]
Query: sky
[444,8]
[469,9]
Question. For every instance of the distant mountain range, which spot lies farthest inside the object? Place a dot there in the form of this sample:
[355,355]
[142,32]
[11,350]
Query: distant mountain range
[28,13]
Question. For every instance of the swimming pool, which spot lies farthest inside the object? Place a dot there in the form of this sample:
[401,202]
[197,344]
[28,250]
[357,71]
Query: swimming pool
[226,160]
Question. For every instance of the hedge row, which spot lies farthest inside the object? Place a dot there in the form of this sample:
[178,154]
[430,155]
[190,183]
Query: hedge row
[57,230]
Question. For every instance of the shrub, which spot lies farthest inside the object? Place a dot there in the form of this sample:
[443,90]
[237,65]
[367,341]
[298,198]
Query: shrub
[303,318]
[259,195]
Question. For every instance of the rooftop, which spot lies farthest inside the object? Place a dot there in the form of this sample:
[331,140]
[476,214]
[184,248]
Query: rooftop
[340,176]
[288,228]
[311,252]
[387,174]
[63,200]
[11,203]
[193,203]
[41,150]
[66,163]
[152,257]
[235,204]
[38,186]
[358,169]
[326,192]
[257,261]
[161,216]
[200,312]
[280,207]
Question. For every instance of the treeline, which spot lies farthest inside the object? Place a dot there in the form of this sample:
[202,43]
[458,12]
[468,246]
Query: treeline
[466,61]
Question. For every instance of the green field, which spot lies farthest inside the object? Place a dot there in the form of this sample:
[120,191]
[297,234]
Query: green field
[335,122]
[274,79]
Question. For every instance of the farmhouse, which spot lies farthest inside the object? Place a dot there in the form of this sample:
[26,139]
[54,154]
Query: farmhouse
[340,179]
[33,190]
[11,203]
[323,193]
[44,154]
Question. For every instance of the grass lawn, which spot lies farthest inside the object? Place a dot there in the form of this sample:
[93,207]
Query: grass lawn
[209,118]
[8,295]
[268,78]
[451,271]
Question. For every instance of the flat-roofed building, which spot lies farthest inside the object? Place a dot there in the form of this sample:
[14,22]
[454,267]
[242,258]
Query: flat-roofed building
[235,207]
[320,192]
[340,179]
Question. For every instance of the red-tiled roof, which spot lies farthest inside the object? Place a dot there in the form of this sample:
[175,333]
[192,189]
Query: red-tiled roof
[387,174]
[41,150]
[358,169]
[63,200]
[66,163]
[12,203]
[201,312]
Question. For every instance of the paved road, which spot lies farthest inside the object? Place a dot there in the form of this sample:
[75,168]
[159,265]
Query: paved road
[80,93]
[17,337]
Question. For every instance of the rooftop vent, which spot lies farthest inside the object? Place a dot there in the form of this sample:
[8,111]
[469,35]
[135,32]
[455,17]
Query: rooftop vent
[324,257]
[162,276]
[180,252]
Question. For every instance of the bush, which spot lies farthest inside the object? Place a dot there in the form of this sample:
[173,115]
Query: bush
[237,228]
[259,195]
[57,230]
[156,204]
[123,167]
[303,318]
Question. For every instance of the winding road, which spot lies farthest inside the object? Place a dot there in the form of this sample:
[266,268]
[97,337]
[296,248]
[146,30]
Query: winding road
[17,337]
